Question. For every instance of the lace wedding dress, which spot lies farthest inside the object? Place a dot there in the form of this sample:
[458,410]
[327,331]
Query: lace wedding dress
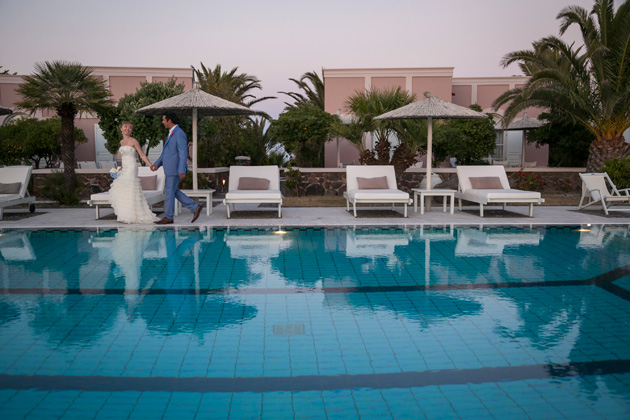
[125,195]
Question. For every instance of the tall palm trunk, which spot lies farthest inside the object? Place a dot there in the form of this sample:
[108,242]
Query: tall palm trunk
[67,114]
[604,149]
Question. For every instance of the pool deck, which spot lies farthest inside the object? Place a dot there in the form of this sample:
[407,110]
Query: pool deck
[328,216]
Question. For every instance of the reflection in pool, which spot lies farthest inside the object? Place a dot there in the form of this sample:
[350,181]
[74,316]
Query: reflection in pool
[406,323]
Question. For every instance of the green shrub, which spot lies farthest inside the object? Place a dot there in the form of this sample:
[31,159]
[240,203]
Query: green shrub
[52,187]
[619,172]
[293,177]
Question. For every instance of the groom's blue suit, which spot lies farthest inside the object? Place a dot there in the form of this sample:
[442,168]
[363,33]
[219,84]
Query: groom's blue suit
[173,159]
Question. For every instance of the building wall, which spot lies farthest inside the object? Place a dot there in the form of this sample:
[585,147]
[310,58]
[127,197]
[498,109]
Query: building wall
[8,95]
[462,95]
[486,94]
[342,83]
[338,90]
[438,86]
[119,80]
[119,86]
[386,83]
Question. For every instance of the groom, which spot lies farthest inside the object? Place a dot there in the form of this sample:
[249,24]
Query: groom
[173,158]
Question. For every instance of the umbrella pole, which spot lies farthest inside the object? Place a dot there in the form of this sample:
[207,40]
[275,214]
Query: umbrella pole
[427,261]
[194,149]
[338,160]
[429,160]
[523,150]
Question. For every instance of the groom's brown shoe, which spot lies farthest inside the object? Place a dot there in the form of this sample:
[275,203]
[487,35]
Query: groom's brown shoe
[196,213]
[164,221]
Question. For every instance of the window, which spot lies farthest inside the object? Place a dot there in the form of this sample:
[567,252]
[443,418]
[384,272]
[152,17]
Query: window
[499,147]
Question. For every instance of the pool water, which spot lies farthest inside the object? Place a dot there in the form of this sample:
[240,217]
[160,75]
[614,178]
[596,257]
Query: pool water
[340,323]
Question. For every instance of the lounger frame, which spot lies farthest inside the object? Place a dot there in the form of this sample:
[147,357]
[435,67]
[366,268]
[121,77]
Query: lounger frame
[599,188]
[354,195]
[483,197]
[12,174]
[153,196]
[270,196]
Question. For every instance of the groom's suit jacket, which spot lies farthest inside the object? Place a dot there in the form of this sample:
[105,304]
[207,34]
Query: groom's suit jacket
[174,153]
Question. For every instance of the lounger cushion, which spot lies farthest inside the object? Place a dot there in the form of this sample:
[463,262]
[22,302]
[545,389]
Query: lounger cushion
[486,183]
[148,182]
[252,183]
[11,188]
[377,183]
[378,195]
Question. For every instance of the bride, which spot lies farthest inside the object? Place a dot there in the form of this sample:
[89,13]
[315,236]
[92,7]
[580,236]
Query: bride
[125,195]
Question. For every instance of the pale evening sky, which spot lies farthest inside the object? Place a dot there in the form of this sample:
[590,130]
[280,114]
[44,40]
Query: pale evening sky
[276,39]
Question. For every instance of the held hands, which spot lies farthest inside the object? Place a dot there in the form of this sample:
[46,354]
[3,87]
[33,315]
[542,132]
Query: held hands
[154,168]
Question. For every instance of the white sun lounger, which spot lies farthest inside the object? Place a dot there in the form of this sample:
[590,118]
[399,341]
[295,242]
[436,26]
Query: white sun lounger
[356,195]
[153,196]
[241,194]
[599,188]
[10,176]
[493,174]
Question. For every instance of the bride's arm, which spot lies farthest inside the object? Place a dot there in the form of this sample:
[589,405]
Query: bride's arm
[144,157]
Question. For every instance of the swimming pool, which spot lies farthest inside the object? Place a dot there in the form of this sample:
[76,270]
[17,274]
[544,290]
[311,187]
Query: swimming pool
[448,322]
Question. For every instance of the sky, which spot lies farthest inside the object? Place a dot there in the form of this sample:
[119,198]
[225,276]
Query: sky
[275,40]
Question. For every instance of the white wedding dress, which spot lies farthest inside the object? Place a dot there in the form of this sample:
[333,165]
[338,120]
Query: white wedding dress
[125,195]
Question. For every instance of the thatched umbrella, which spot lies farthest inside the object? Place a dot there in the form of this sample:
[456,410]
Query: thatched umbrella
[5,111]
[523,124]
[431,108]
[196,102]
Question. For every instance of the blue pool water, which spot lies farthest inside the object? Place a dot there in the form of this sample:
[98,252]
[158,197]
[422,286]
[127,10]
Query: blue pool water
[372,323]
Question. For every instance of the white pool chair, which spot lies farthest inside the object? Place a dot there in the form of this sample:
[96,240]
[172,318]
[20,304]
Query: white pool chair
[153,196]
[14,187]
[599,188]
[485,184]
[253,184]
[371,184]
[87,165]
[107,165]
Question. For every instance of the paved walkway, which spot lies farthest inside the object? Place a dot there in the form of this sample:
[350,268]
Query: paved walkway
[250,215]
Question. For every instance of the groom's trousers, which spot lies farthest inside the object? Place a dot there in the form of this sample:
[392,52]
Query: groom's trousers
[172,192]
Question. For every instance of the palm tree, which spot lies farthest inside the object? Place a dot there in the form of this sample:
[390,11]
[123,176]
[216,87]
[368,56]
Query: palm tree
[229,85]
[68,89]
[312,95]
[591,83]
[229,137]
[368,104]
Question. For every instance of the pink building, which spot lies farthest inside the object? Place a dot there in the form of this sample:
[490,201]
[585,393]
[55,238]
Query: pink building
[342,83]
[121,81]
